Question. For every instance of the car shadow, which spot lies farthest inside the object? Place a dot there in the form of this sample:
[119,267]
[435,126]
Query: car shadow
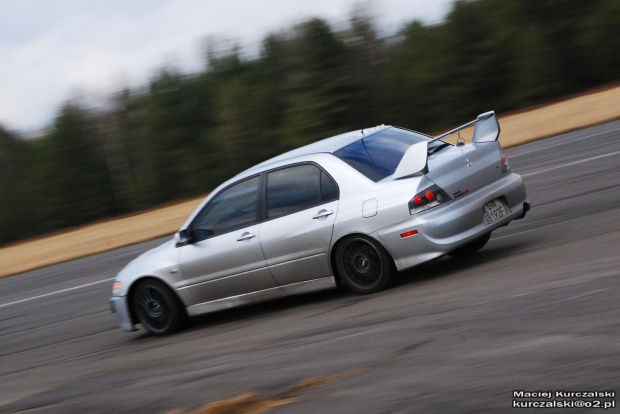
[252,312]
[447,265]
[444,266]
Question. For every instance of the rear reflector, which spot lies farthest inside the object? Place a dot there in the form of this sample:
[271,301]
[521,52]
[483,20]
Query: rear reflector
[408,234]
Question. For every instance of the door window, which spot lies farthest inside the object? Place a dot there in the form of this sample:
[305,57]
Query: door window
[297,188]
[234,208]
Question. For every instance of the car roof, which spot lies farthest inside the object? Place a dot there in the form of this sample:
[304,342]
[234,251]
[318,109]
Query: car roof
[327,145]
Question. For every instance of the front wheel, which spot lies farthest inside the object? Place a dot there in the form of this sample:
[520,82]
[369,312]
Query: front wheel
[364,265]
[158,309]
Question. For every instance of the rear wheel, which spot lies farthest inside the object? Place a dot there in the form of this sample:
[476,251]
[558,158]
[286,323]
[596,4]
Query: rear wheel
[363,265]
[158,309]
[471,247]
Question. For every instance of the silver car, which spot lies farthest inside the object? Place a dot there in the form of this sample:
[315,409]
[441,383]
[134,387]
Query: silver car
[351,210]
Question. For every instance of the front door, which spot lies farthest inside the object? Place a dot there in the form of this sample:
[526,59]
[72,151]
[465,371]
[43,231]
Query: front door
[224,257]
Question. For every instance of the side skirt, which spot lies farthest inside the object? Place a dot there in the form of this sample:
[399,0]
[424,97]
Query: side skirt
[263,295]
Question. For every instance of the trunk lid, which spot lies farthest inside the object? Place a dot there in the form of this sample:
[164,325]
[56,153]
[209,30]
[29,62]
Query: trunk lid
[465,168]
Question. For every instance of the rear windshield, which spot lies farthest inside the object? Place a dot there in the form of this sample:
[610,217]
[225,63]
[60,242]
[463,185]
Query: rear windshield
[378,155]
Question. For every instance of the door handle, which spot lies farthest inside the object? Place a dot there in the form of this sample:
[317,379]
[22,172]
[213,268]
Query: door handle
[246,236]
[323,213]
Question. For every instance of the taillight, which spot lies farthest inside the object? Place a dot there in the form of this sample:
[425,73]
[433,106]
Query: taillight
[428,198]
[505,163]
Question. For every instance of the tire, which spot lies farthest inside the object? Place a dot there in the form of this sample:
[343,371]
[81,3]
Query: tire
[471,247]
[157,307]
[364,265]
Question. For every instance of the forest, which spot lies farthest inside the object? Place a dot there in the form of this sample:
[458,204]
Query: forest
[182,134]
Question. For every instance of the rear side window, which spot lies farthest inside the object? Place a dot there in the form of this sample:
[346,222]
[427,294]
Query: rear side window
[297,188]
[329,188]
[378,155]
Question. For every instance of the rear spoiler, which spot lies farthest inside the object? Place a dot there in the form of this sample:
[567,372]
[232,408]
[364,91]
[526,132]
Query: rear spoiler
[415,159]
[486,128]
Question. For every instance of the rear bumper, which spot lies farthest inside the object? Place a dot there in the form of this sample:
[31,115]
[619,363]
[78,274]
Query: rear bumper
[450,226]
[119,305]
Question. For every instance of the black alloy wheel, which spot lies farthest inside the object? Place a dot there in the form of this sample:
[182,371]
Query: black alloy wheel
[364,265]
[157,307]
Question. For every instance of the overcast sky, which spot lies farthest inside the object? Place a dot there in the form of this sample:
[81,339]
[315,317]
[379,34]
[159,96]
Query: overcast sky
[54,50]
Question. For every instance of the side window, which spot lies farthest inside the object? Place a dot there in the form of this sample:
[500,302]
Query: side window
[293,189]
[232,209]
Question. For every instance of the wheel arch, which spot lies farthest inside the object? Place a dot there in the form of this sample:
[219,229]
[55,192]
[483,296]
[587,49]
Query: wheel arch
[132,313]
[334,248]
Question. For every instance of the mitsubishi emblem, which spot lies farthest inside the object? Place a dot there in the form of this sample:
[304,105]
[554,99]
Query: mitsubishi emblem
[469,164]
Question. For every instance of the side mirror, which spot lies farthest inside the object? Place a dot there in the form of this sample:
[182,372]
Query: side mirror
[182,238]
[487,128]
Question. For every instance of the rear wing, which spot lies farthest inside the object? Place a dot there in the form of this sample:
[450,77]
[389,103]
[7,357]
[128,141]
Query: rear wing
[415,159]
[486,128]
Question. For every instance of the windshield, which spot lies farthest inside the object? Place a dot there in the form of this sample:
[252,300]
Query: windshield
[378,155]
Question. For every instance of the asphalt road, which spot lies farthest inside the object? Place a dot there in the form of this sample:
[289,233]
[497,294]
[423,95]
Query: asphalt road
[536,309]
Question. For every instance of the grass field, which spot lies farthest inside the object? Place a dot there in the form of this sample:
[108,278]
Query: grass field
[524,126]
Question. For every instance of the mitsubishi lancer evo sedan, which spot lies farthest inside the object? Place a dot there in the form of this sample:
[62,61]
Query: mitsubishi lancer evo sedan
[351,210]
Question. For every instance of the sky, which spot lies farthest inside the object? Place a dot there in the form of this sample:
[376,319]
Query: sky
[55,50]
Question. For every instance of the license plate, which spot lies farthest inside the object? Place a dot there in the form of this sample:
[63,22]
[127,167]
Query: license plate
[494,210]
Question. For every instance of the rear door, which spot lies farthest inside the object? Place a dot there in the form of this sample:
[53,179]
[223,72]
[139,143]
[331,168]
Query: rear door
[300,205]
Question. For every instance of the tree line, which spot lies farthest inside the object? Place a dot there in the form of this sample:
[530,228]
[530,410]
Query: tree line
[182,134]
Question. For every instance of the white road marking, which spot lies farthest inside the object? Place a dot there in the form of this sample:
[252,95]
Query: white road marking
[564,143]
[588,177]
[572,163]
[56,292]
[592,278]
[554,224]
[555,302]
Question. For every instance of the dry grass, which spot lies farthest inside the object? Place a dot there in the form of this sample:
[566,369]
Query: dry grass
[252,403]
[94,238]
[246,403]
[567,115]
[517,128]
